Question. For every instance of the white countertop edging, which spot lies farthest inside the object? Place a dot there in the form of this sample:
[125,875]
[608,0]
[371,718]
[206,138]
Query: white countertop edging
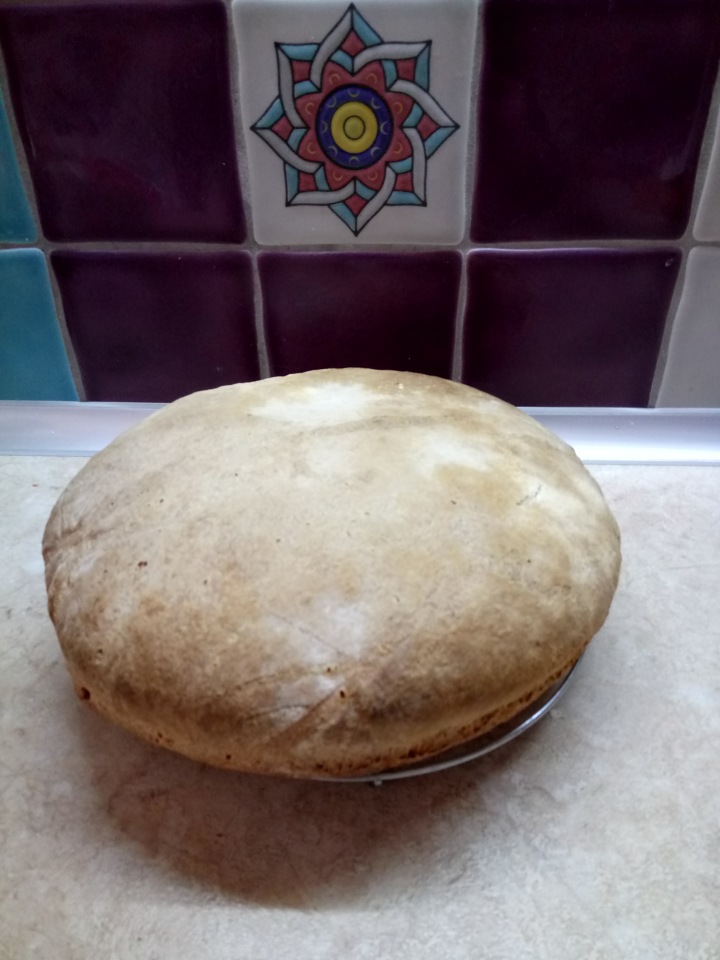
[599,435]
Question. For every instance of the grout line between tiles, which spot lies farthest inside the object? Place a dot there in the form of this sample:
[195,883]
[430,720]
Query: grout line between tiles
[62,323]
[457,363]
[189,246]
[148,246]
[258,302]
[471,167]
[239,130]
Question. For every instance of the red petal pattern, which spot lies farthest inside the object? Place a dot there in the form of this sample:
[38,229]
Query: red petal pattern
[356,203]
[300,70]
[400,105]
[352,44]
[426,126]
[283,128]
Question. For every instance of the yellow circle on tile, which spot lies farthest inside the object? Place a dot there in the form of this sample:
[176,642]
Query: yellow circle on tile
[354,127]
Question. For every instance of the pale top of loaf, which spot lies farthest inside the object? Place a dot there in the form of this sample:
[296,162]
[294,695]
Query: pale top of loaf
[327,573]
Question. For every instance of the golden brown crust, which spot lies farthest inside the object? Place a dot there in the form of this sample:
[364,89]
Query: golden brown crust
[329,573]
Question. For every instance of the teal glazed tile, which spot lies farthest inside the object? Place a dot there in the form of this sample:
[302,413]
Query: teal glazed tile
[384,310]
[591,116]
[567,327]
[126,116]
[356,118]
[33,361]
[157,326]
[16,220]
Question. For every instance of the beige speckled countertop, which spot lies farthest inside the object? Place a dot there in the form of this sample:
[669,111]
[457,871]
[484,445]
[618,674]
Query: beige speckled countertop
[596,835]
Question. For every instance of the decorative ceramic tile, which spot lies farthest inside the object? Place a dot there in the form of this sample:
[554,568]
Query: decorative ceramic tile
[126,116]
[155,326]
[591,116]
[392,311]
[692,372]
[567,327]
[16,221]
[356,118]
[707,219]
[33,361]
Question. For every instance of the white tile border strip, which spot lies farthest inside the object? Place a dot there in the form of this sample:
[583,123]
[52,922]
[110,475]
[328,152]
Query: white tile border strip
[64,429]
[599,435]
[620,435]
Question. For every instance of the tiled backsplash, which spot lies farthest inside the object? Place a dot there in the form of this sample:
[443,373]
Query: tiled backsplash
[522,194]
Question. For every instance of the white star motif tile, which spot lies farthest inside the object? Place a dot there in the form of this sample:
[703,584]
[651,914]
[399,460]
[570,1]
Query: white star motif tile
[356,118]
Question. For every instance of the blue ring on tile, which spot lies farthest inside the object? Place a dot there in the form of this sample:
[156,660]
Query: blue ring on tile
[370,100]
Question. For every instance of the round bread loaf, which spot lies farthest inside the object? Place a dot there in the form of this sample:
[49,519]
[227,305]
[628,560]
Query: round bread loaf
[330,573]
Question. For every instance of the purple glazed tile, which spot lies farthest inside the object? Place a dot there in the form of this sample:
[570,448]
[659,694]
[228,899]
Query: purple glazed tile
[382,310]
[156,326]
[125,113]
[591,116]
[567,327]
